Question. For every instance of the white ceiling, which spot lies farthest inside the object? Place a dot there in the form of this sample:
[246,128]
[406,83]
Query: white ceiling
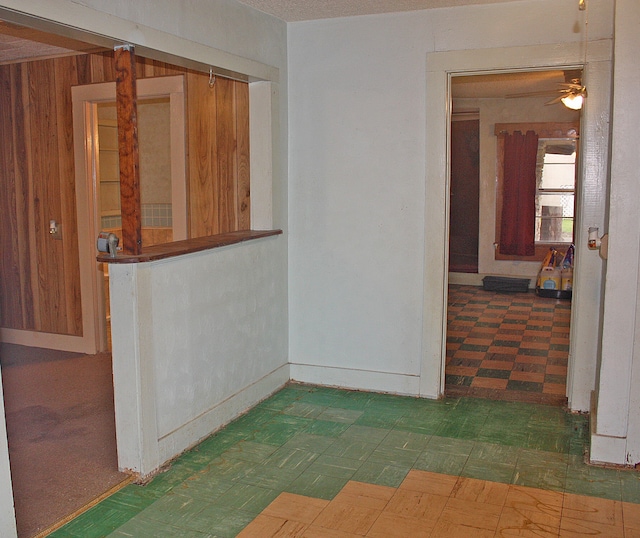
[304,10]
[18,43]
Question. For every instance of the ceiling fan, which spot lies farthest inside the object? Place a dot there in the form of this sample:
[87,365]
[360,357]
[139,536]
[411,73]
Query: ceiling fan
[571,92]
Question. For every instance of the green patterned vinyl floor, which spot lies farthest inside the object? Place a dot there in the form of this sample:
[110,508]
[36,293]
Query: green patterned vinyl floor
[312,440]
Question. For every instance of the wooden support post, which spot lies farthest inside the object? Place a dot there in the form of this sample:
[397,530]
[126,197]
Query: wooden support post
[127,111]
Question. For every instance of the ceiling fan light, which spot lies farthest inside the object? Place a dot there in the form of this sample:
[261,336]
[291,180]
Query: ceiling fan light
[573,101]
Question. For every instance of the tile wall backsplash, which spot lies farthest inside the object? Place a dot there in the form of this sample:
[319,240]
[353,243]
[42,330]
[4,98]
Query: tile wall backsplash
[153,215]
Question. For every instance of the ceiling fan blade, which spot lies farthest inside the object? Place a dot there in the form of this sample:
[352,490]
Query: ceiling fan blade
[540,93]
[556,100]
[570,85]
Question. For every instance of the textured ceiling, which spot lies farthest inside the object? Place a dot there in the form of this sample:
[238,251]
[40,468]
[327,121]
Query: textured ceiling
[304,10]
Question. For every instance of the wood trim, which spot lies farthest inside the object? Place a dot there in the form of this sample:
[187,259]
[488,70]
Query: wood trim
[188,246]
[62,342]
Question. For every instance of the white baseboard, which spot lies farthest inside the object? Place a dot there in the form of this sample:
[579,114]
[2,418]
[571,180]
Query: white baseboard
[605,449]
[221,414]
[347,378]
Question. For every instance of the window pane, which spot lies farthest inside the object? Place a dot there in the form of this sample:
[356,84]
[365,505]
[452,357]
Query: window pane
[558,171]
[554,217]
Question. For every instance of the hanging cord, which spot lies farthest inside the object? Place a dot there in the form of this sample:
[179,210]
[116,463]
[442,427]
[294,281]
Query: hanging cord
[582,6]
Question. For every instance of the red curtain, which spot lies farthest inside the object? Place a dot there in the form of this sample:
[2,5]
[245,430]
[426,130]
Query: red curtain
[517,227]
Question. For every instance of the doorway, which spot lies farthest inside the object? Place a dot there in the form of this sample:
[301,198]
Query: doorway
[510,346]
[161,134]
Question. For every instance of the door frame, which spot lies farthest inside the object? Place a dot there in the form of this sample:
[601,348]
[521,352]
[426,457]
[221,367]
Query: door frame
[588,277]
[85,101]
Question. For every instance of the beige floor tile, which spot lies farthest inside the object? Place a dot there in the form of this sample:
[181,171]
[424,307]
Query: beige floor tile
[554,388]
[534,377]
[535,500]
[273,527]
[497,365]
[631,515]
[595,509]
[427,482]
[489,383]
[295,507]
[347,517]
[522,522]
[393,525]
[410,503]
[446,529]
[481,491]
[366,495]
[321,532]
[556,370]
[462,370]
[576,528]
[471,514]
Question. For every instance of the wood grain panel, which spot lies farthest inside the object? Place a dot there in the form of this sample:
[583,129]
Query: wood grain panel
[203,174]
[39,276]
[65,77]
[28,283]
[11,306]
[46,195]
[243,188]
[226,135]
[83,69]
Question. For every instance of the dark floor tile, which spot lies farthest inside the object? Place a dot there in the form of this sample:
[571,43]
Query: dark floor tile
[527,386]
[495,374]
[473,347]
[532,352]
[529,367]
[458,380]
[553,378]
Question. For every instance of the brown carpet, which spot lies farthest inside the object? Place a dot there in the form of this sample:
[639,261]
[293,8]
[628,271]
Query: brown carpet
[61,431]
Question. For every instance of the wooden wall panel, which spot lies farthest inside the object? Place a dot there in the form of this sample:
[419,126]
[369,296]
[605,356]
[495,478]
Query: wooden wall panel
[227,170]
[22,174]
[39,276]
[243,187]
[46,195]
[11,307]
[202,141]
[66,75]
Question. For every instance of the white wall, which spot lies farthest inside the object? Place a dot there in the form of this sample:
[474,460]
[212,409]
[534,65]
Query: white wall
[364,302]
[197,340]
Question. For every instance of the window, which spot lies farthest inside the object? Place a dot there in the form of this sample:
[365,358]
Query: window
[555,192]
[555,187]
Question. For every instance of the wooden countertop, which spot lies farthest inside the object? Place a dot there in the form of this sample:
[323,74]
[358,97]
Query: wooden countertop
[187,246]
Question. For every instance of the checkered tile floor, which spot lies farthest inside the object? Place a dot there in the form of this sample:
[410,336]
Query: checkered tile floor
[507,346]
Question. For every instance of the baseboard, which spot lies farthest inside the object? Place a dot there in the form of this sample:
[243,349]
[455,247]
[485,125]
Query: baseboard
[465,279]
[347,378]
[221,414]
[59,342]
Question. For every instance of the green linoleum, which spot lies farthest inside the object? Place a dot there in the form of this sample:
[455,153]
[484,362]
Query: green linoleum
[312,440]
[382,474]
[320,486]
[440,462]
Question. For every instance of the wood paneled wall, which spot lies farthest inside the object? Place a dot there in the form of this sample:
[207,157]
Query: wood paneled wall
[39,275]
